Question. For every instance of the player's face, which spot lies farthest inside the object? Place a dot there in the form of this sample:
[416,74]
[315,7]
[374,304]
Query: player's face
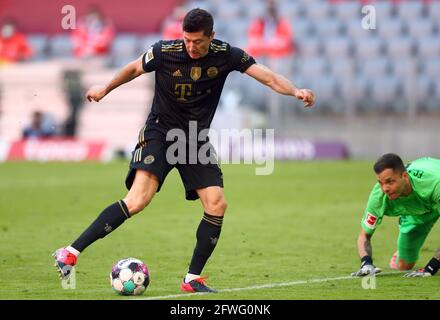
[393,183]
[197,43]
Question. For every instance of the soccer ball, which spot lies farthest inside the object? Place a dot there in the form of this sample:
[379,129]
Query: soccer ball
[129,277]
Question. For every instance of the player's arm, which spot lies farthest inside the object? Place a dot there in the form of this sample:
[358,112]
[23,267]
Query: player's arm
[365,252]
[280,84]
[129,72]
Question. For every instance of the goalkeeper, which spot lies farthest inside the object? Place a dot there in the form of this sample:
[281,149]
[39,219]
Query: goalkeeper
[412,193]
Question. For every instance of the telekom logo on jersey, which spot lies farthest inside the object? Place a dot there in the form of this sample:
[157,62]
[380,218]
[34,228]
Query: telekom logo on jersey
[246,146]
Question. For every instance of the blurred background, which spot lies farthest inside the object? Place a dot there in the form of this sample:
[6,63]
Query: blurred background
[374,66]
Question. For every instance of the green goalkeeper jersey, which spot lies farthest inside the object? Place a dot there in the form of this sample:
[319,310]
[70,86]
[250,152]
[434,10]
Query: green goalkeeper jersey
[421,206]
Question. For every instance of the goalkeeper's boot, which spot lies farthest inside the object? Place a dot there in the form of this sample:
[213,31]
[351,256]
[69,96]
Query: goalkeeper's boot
[196,285]
[393,262]
[64,262]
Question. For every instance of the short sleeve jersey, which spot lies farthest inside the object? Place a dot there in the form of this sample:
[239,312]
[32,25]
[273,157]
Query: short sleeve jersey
[419,207]
[189,89]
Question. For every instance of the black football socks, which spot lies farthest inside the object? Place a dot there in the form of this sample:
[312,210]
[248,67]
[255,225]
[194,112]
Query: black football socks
[207,235]
[109,219]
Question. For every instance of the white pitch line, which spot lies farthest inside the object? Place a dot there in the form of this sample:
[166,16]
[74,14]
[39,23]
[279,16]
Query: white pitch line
[263,286]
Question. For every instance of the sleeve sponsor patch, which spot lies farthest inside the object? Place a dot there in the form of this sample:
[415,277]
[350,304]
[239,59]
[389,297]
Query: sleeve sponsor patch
[370,221]
[149,56]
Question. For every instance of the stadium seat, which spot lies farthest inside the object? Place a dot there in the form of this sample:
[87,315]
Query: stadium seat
[124,49]
[302,28]
[313,67]
[353,29]
[389,28]
[404,67]
[428,47]
[399,47]
[317,11]
[337,47]
[434,10]
[425,90]
[372,68]
[420,28]
[384,10]
[309,47]
[291,9]
[431,68]
[60,46]
[410,10]
[346,11]
[328,28]
[146,41]
[39,44]
[369,48]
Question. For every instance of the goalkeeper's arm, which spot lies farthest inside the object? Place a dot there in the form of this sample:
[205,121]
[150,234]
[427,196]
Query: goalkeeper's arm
[365,252]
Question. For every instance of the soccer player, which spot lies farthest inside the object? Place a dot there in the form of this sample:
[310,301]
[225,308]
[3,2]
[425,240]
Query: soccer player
[412,193]
[189,77]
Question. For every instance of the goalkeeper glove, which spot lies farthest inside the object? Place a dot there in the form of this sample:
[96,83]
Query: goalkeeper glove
[367,268]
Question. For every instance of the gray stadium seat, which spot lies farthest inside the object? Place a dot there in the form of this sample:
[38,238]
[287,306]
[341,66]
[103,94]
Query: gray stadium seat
[404,67]
[424,91]
[229,10]
[372,68]
[431,68]
[420,28]
[341,67]
[39,44]
[328,28]
[384,10]
[61,46]
[291,9]
[428,47]
[346,11]
[125,49]
[410,10]
[399,47]
[434,10]
[302,28]
[309,47]
[389,28]
[384,92]
[337,47]
[369,48]
[318,11]
[353,29]
[145,42]
[313,67]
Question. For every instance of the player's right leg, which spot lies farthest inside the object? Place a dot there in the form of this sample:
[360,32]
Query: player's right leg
[142,191]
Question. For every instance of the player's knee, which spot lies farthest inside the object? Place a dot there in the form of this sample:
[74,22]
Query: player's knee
[217,206]
[136,204]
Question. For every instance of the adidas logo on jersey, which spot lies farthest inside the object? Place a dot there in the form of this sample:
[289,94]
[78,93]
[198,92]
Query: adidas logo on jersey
[177,73]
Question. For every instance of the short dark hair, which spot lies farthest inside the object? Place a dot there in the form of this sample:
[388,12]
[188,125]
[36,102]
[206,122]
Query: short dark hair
[198,20]
[389,161]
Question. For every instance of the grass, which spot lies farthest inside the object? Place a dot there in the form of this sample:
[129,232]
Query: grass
[300,223]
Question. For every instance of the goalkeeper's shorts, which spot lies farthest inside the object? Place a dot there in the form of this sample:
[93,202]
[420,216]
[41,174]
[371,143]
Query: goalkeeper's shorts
[411,238]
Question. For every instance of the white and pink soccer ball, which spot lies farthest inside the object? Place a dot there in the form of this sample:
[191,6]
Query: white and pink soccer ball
[129,277]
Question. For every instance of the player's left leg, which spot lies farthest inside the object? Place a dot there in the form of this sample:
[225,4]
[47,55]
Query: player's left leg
[410,241]
[204,182]
[208,233]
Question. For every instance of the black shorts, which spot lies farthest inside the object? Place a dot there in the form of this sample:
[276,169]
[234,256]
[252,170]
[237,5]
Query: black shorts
[151,156]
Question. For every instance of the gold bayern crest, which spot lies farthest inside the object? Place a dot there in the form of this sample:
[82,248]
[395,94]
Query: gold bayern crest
[212,72]
[196,73]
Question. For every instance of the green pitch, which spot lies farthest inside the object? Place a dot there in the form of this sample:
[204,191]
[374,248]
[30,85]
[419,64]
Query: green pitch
[298,224]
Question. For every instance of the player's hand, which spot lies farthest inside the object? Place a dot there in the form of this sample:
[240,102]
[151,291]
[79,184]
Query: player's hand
[367,269]
[306,95]
[96,93]
[418,273]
